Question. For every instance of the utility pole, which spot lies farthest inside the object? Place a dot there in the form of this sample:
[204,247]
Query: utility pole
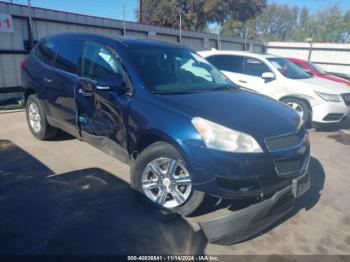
[310,41]
[140,12]
[219,43]
[124,18]
[180,27]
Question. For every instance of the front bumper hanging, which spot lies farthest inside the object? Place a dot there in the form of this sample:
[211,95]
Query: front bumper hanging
[243,224]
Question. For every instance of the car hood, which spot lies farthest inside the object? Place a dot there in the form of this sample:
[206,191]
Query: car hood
[324,85]
[240,110]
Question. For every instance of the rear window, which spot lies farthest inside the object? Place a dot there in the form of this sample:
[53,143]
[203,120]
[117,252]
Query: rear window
[230,63]
[46,50]
[69,56]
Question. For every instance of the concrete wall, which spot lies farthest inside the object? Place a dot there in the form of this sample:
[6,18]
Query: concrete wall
[46,22]
[330,56]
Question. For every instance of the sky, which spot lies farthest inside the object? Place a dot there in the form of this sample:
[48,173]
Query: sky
[114,8]
[102,8]
[315,5]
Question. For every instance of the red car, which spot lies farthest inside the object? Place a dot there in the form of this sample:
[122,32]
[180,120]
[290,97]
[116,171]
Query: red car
[317,70]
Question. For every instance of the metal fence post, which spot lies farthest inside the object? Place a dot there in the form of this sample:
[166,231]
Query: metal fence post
[30,25]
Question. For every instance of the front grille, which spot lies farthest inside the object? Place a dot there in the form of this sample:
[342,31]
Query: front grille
[283,142]
[291,166]
[346,98]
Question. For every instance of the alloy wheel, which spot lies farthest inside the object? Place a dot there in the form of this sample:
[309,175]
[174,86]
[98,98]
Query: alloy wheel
[34,117]
[167,182]
[298,108]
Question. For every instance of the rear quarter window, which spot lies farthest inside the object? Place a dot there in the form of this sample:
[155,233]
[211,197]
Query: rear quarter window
[46,50]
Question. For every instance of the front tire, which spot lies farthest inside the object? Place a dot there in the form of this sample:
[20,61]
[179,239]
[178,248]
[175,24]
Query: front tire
[36,119]
[160,173]
[301,108]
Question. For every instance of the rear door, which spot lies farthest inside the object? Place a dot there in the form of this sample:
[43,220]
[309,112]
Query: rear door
[62,82]
[102,113]
[230,65]
[41,68]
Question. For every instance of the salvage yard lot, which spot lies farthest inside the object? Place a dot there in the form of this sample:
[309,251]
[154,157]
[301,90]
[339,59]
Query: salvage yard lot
[66,197]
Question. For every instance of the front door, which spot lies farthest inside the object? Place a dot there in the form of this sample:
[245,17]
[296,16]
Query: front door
[252,71]
[101,113]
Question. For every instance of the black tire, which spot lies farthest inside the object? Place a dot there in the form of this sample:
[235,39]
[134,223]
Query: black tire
[155,151]
[46,131]
[305,107]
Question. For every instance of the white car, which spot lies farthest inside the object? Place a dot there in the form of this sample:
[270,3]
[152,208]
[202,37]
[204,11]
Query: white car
[317,100]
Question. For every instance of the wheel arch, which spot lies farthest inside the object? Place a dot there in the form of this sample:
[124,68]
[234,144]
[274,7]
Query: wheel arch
[28,91]
[148,137]
[299,97]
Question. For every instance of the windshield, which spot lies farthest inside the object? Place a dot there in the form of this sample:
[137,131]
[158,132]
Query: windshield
[317,68]
[176,70]
[288,68]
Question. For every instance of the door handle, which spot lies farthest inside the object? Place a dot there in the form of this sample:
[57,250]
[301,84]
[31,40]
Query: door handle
[47,79]
[242,81]
[82,92]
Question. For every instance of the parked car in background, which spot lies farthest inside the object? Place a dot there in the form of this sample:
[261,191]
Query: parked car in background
[318,100]
[185,128]
[317,71]
[342,75]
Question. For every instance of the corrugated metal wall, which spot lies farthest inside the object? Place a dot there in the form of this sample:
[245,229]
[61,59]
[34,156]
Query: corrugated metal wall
[330,56]
[47,22]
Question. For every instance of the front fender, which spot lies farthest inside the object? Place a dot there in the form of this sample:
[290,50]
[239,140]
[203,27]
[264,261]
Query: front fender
[160,124]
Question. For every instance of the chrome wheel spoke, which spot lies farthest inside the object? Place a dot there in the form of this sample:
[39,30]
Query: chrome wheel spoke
[183,180]
[149,184]
[161,198]
[172,166]
[177,195]
[155,169]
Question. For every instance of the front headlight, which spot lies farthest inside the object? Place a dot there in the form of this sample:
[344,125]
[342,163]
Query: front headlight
[329,97]
[218,137]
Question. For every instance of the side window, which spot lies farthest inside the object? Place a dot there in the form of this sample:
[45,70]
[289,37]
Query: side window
[300,66]
[255,67]
[231,63]
[46,50]
[99,62]
[69,56]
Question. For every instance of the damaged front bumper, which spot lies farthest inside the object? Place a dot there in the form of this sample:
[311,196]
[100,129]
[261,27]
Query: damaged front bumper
[240,225]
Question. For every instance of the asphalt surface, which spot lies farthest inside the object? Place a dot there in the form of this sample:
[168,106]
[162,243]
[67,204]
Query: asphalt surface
[66,197]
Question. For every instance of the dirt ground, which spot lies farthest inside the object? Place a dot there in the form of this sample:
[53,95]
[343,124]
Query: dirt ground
[66,197]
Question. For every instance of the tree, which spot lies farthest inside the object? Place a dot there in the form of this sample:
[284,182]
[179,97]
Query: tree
[302,31]
[196,14]
[346,26]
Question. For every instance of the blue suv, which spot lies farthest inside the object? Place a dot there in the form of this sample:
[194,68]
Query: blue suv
[184,128]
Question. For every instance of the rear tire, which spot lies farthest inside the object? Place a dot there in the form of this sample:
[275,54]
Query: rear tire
[301,108]
[184,202]
[36,119]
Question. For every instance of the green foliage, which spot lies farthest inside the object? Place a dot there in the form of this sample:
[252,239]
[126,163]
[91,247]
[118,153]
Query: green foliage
[196,14]
[290,23]
[251,19]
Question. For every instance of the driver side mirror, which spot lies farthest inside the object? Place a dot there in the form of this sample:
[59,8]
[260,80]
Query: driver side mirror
[112,83]
[268,76]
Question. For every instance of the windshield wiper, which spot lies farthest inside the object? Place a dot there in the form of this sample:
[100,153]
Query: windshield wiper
[223,87]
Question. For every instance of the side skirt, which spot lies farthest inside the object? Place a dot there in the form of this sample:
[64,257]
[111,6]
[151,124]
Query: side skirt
[107,146]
